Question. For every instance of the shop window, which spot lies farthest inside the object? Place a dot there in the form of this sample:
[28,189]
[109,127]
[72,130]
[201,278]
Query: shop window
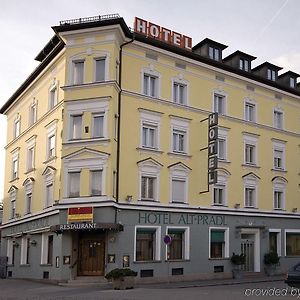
[147,244]
[25,241]
[179,247]
[219,240]
[47,249]
[292,243]
[275,241]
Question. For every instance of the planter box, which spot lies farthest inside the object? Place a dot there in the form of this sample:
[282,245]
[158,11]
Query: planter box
[124,283]
[270,270]
[237,274]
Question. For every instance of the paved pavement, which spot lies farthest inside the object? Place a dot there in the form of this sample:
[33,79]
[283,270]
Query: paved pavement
[252,288]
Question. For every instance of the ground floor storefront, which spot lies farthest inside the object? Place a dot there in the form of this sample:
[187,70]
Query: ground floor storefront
[159,243]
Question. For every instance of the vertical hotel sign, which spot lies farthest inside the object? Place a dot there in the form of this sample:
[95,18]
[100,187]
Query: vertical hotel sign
[212,148]
[163,34]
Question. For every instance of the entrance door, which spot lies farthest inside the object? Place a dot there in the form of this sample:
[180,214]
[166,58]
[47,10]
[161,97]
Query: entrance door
[247,248]
[91,256]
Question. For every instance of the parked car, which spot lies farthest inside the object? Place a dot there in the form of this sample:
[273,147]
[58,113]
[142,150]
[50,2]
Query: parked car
[293,276]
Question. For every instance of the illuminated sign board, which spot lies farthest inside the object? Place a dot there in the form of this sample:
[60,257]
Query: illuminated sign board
[212,148]
[163,34]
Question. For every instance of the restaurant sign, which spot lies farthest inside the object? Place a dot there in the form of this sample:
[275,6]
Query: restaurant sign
[163,34]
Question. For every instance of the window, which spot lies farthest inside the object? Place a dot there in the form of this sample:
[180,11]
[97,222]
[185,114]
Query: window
[219,104]
[150,85]
[179,93]
[148,185]
[271,75]
[98,123]
[32,113]
[244,64]
[292,243]
[96,182]
[219,243]
[179,247]
[278,119]
[10,252]
[149,136]
[51,146]
[250,112]
[179,141]
[52,96]
[17,127]
[76,127]
[214,53]
[178,190]
[15,167]
[28,201]
[221,149]
[147,247]
[30,158]
[12,197]
[78,71]
[249,197]
[275,241]
[278,199]
[49,195]
[218,194]
[250,154]
[100,69]
[279,154]
[47,249]
[292,82]
[25,251]
[74,184]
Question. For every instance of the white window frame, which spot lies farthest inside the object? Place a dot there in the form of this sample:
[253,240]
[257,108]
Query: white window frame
[150,168]
[91,181]
[157,229]
[49,177]
[9,251]
[75,163]
[12,202]
[95,115]
[275,123]
[226,237]
[17,126]
[182,127]
[223,135]
[24,250]
[105,67]
[278,231]
[292,82]
[15,162]
[252,141]
[180,82]
[286,231]
[279,185]
[73,171]
[53,95]
[251,182]
[271,74]
[44,247]
[215,108]
[181,173]
[279,146]
[51,131]
[31,148]
[221,183]
[251,103]
[72,117]
[73,63]
[244,64]
[152,73]
[28,185]
[186,240]
[32,116]
[214,53]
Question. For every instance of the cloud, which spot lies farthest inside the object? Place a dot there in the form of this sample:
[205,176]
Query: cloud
[289,61]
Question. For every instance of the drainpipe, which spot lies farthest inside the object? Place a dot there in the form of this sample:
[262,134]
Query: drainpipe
[119,120]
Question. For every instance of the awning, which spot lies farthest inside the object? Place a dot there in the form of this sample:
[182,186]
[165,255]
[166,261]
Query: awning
[86,226]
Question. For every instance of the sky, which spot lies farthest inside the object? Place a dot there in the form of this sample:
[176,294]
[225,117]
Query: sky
[267,29]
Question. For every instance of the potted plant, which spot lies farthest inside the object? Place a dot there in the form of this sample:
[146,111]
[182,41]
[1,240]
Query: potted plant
[122,279]
[237,260]
[271,259]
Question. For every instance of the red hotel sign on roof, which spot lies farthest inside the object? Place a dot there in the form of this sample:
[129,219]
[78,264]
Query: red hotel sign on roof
[163,34]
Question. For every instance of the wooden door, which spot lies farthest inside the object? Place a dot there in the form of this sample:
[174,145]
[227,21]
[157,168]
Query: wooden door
[91,256]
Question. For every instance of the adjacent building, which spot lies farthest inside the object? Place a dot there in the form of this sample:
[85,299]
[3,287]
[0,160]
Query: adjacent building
[107,157]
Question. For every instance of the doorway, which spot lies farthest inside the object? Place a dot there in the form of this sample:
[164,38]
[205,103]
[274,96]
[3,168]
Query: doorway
[91,258]
[247,248]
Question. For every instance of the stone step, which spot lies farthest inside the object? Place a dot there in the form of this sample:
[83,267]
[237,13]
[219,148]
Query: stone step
[98,281]
[102,285]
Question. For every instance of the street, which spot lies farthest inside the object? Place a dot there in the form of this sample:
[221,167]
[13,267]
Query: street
[12,289]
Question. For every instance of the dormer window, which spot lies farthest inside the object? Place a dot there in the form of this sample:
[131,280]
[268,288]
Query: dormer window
[244,64]
[214,53]
[292,82]
[271,75]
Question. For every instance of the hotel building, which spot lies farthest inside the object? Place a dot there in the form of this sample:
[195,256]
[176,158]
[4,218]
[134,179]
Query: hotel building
[107,157]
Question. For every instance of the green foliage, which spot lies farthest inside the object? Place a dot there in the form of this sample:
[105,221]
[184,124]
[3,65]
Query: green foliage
[119,273]
[271,258]
[238,259]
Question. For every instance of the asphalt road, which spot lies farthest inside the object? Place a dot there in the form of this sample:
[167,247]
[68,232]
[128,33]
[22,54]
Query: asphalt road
[11,289]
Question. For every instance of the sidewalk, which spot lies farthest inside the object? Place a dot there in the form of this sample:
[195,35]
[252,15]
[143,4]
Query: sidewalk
[211,282]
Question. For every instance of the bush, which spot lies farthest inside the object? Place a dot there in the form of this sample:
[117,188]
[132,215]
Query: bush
[238,259]
[271,258]
[119,273]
